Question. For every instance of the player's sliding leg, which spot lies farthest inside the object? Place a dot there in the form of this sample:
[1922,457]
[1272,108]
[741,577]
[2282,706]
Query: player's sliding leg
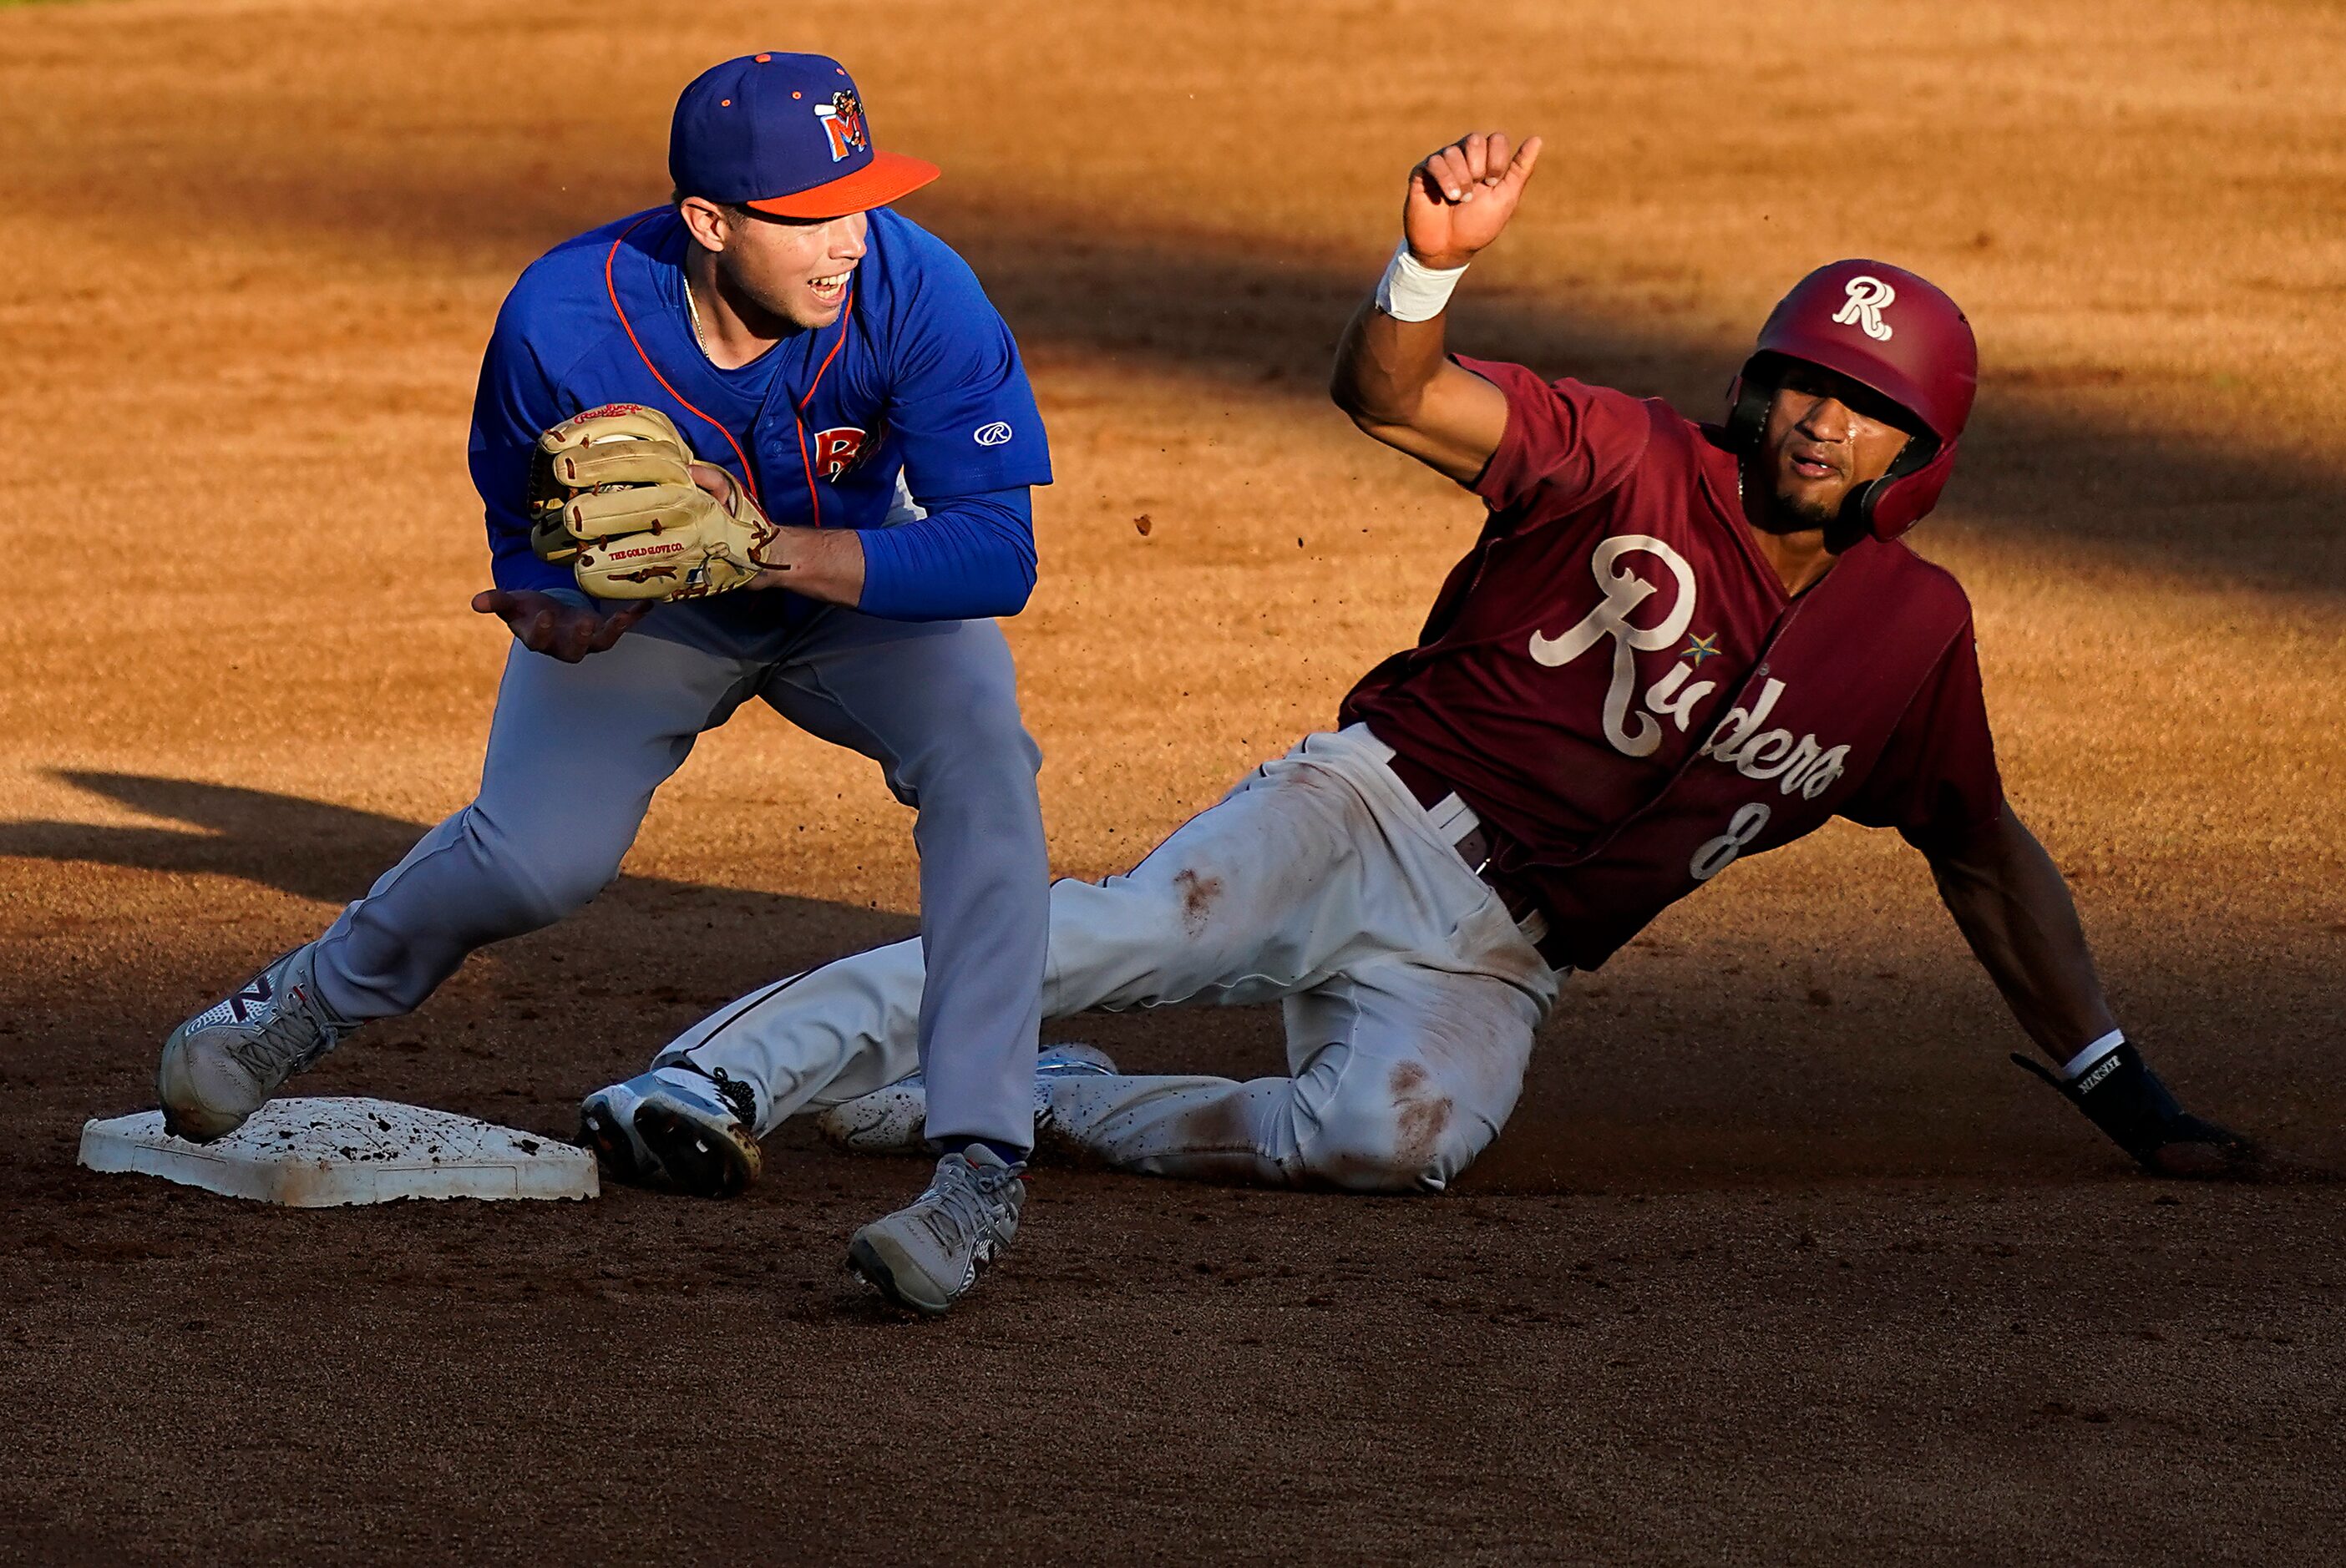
[1405,1066]
[1403,1074]
[1223,911]
[1318,866]
[574,753]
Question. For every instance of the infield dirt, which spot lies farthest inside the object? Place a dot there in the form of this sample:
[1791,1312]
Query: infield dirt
[1778,1261]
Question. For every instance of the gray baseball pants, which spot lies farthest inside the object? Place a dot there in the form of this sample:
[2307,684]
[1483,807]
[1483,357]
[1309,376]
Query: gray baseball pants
[576,751]
[1411,995]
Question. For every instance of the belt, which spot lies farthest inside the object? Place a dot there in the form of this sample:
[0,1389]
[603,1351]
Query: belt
[1478,845]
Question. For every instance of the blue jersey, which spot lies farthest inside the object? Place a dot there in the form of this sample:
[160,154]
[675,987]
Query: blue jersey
[919,377]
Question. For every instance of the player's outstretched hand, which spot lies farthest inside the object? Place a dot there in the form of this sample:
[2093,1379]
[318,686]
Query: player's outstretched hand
[544,624]
[2135,1107]
[1460,198]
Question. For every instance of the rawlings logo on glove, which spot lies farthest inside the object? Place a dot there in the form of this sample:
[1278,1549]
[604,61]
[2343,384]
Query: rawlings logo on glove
[615,492]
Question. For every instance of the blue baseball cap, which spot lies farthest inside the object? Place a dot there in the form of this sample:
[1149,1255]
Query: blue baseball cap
[784,134]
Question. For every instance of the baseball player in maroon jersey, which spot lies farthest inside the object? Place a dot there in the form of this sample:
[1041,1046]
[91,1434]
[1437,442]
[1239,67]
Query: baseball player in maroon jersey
[1673,646]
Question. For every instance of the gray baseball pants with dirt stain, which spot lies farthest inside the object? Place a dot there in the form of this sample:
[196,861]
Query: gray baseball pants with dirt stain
[1410,996]
[576,751]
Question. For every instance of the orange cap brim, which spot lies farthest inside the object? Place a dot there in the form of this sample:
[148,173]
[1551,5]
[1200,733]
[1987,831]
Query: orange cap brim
[888,176]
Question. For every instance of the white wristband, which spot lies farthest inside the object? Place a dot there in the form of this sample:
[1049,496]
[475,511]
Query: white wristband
[1410,290]
[2074,1067]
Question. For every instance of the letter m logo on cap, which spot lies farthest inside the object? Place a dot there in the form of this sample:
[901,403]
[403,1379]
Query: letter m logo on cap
[843,117]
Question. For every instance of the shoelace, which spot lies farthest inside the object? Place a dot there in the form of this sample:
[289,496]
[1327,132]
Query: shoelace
[961,1202]
[737,1095]
[292,1039]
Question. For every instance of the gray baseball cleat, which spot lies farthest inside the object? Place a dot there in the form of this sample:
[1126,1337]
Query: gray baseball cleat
[606,1125]
[223,1065]
[926,1256]
[696,1129]
[890,1119]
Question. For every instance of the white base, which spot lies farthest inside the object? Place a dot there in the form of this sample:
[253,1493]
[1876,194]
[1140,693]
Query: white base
[321,1153]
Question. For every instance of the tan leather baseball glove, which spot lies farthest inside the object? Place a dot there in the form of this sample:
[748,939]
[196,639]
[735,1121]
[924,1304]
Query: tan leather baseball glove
[611,495]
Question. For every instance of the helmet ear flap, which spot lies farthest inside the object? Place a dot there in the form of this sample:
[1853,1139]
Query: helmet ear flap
[1857,508]
[1890,505]
[1855,519]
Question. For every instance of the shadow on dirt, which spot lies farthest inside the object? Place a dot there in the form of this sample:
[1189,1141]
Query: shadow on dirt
[1231,309]
[1710,1083]
[1263,317]
[315,849]
[307,848]
[522,1030]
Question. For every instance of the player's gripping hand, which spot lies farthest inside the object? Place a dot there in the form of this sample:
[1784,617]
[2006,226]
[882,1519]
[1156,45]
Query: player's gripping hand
[614,494]
[544,624]
[1462,197]
[2133,1105]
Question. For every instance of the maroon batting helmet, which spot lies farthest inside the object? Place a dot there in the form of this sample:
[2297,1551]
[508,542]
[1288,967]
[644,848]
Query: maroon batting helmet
[1889,329]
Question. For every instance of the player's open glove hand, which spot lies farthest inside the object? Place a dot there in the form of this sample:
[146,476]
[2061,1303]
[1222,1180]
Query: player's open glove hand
[612,494]
[2121,1095]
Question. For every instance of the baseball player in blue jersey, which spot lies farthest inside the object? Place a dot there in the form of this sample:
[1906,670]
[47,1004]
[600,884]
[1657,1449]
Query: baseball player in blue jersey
[841,380]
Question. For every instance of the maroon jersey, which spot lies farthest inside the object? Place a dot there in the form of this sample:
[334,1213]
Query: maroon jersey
[1616,682]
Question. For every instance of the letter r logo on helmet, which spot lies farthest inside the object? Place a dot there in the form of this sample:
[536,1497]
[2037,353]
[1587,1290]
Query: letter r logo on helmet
[1862,309]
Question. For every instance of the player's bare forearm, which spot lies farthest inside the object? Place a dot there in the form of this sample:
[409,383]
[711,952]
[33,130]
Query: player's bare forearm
[1395,380]
[2014,908]
[825,563]
[1392,374]
[1383,366]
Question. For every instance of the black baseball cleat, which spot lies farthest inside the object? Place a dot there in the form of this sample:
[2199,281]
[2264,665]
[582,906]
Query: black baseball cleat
[676,1123]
